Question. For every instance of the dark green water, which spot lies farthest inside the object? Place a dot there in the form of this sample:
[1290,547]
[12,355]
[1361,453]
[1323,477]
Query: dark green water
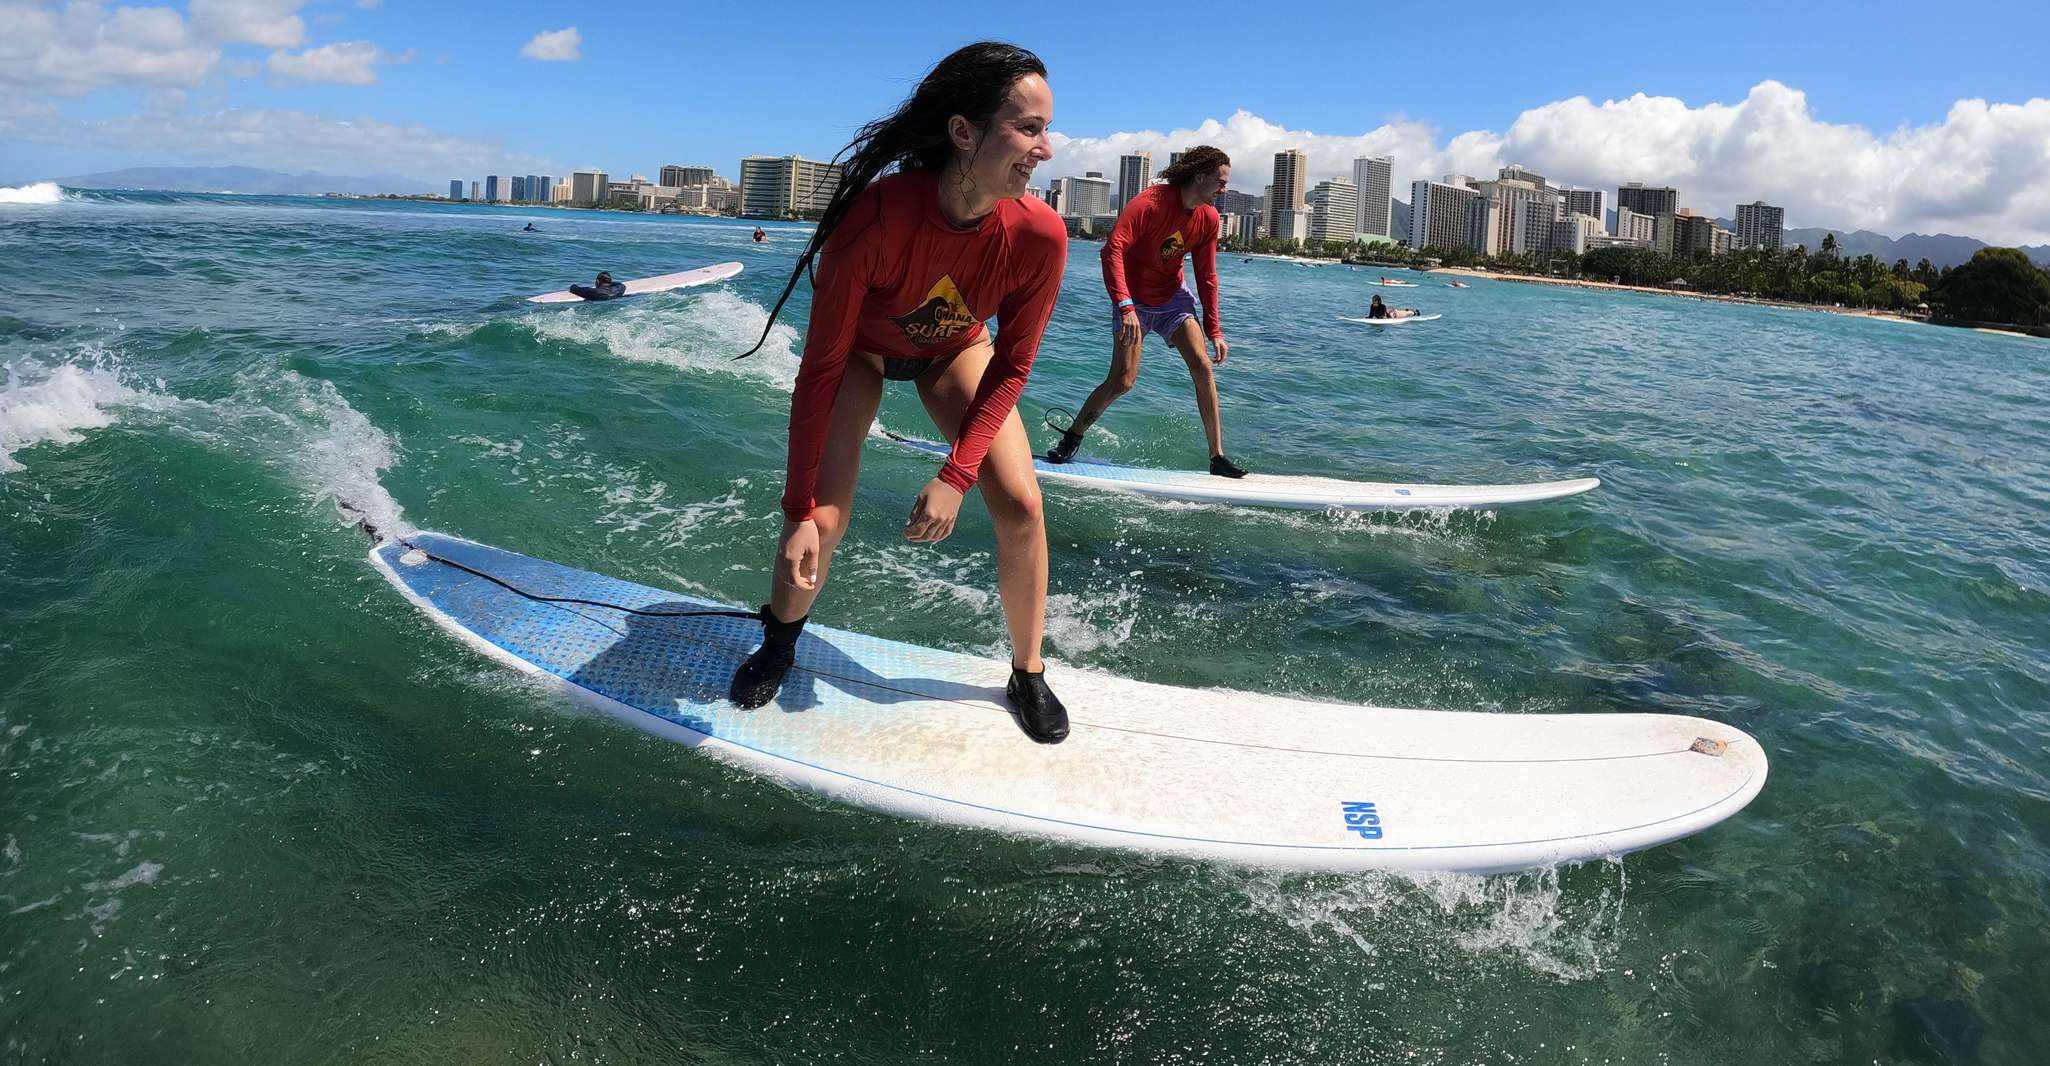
[254,807]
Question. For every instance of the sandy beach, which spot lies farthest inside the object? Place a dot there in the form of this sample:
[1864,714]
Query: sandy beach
[1583,283]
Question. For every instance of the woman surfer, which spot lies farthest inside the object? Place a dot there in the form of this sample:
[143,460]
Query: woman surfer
[910,264]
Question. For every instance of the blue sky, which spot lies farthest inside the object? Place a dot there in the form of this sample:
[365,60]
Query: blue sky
[711,83]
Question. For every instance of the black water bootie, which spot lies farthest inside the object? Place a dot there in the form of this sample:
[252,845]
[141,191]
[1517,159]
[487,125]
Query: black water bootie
[1038,710]
[1223,467]
[757,680]
[1065,450]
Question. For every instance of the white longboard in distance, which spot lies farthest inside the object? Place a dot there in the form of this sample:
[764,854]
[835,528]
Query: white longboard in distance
[642,286]
[1286,491]
[1390,321]
[1234,776]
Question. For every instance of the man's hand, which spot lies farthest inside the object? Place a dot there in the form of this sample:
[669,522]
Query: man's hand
[1128,327]
[1217,356]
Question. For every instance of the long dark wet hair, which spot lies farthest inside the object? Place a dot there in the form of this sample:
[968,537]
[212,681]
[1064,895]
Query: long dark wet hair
[973,82]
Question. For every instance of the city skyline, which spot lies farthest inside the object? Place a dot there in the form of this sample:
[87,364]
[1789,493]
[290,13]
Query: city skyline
[1804,117]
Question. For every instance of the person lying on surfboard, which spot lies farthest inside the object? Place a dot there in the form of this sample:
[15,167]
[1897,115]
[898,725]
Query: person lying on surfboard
[760,234]
[605,289]
[1142,269]
[910,265]
[1377,309]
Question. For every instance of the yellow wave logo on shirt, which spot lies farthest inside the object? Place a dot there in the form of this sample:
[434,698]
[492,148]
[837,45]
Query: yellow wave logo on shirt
[939,318]
[1172,248]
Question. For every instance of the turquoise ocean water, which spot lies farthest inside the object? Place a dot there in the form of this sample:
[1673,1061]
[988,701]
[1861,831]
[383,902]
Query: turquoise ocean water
[255,807]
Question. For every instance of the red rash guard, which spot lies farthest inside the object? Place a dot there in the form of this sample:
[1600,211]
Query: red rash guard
[898,280]
[1146,247]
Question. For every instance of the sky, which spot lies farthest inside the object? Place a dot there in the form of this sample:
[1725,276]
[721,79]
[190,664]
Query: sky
[1877,115]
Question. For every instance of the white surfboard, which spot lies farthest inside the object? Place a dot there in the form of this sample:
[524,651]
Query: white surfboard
[643,286]
[1395,284]
[1234,776]
[1390,321]
[1286,491]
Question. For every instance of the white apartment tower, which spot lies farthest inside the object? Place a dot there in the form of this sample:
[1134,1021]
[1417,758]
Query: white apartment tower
[1084,197]
[786,186]
[1336,210]
[1438,214]
[1373,178]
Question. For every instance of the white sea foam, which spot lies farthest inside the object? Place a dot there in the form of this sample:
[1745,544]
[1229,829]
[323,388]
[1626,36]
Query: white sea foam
[42,192]
[304,427]
[1081,624]
[703,334]
[1530,916]
[41,404]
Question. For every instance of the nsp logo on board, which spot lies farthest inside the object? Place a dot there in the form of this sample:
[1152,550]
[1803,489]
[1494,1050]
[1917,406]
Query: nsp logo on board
[1362,818]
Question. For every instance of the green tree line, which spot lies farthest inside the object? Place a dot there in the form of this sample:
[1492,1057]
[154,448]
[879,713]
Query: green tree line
[1998,285]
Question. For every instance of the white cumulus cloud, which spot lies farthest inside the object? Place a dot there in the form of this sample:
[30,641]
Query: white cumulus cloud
[80,47]
[270,23]
[281,140]
[67,49]
[555,45]
[345,63]
[1983,171]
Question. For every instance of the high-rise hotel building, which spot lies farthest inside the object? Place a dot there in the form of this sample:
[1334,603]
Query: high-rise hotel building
[1289,193]
[1373,177]
[1335,210]
[1586,202]
[1438,214]
[1135,172]
[587,188]
[1653,200]
[1760,225]
[786,186]
[677,177]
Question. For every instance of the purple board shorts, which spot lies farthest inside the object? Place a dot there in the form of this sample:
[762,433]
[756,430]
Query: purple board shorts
[1163,319]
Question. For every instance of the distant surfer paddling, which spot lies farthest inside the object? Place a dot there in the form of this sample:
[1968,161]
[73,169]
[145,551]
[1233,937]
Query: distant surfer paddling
[1142,269]
[530,229]
[910,264]
[605,289]
[761,235]
[1377,309]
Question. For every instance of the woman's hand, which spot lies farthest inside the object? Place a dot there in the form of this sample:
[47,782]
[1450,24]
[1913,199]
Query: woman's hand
[797,555]
[932,516]
[1220,349]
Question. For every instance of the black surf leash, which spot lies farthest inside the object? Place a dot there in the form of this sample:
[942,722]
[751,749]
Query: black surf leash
[377,536]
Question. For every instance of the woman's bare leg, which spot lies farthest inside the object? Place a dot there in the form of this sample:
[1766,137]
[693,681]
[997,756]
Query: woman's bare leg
[854,410]
[1011,491]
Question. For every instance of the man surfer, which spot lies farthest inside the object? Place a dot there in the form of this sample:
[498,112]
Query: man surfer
[760,235]
[1142,269]
[605,289]
[913,263]
[530,229]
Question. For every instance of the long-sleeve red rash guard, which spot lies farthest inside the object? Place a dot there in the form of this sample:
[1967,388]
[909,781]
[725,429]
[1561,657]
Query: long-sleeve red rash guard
[897,279]
[1142,261]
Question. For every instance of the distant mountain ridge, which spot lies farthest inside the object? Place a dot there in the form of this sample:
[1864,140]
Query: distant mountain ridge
[251,180]
[1941,249]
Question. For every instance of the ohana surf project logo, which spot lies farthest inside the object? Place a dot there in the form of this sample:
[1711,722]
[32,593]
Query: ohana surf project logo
[1172,248]
[939,318]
